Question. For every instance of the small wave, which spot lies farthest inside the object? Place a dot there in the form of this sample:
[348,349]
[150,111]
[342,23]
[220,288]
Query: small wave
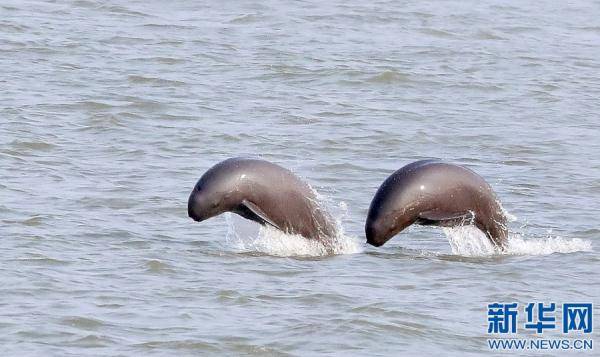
[246,19]
[437,33]
[153,80]
[39,145]
[83,323]
[470,241]
[247,236]
[156,266]
[488,35]
[41,260]
[389,77]
[92,341]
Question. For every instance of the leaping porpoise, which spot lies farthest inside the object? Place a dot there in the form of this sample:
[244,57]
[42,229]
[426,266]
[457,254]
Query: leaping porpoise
[431,192]
[263,192]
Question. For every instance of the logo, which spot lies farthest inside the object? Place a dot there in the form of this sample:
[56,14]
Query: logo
[572,319]
[577,317]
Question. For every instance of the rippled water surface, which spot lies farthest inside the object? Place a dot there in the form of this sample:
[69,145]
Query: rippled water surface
[111,110]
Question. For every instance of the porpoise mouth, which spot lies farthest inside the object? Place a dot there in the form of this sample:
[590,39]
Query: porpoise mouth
[194,216]
[374,243]
[191,213]
[373,233]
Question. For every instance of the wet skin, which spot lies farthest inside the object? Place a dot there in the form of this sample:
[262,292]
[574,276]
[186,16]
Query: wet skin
[263,192]
[431,192]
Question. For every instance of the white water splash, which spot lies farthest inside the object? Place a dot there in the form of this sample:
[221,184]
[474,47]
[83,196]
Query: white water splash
[470,241]
[544,246]
[247,236]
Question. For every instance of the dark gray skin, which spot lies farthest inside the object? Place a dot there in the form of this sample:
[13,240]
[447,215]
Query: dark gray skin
[262,192]
[431,192]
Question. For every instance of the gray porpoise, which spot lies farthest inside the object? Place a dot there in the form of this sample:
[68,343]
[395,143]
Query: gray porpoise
[263,192]
[431,192]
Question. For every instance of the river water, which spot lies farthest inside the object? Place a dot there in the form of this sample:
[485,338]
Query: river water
[111,110]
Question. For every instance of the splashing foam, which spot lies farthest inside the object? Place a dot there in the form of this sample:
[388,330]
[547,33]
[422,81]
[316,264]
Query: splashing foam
[247,236]
[470,241]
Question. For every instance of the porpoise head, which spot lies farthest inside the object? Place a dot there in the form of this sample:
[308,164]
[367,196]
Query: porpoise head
[391,211]
[217,191]
[380,229]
